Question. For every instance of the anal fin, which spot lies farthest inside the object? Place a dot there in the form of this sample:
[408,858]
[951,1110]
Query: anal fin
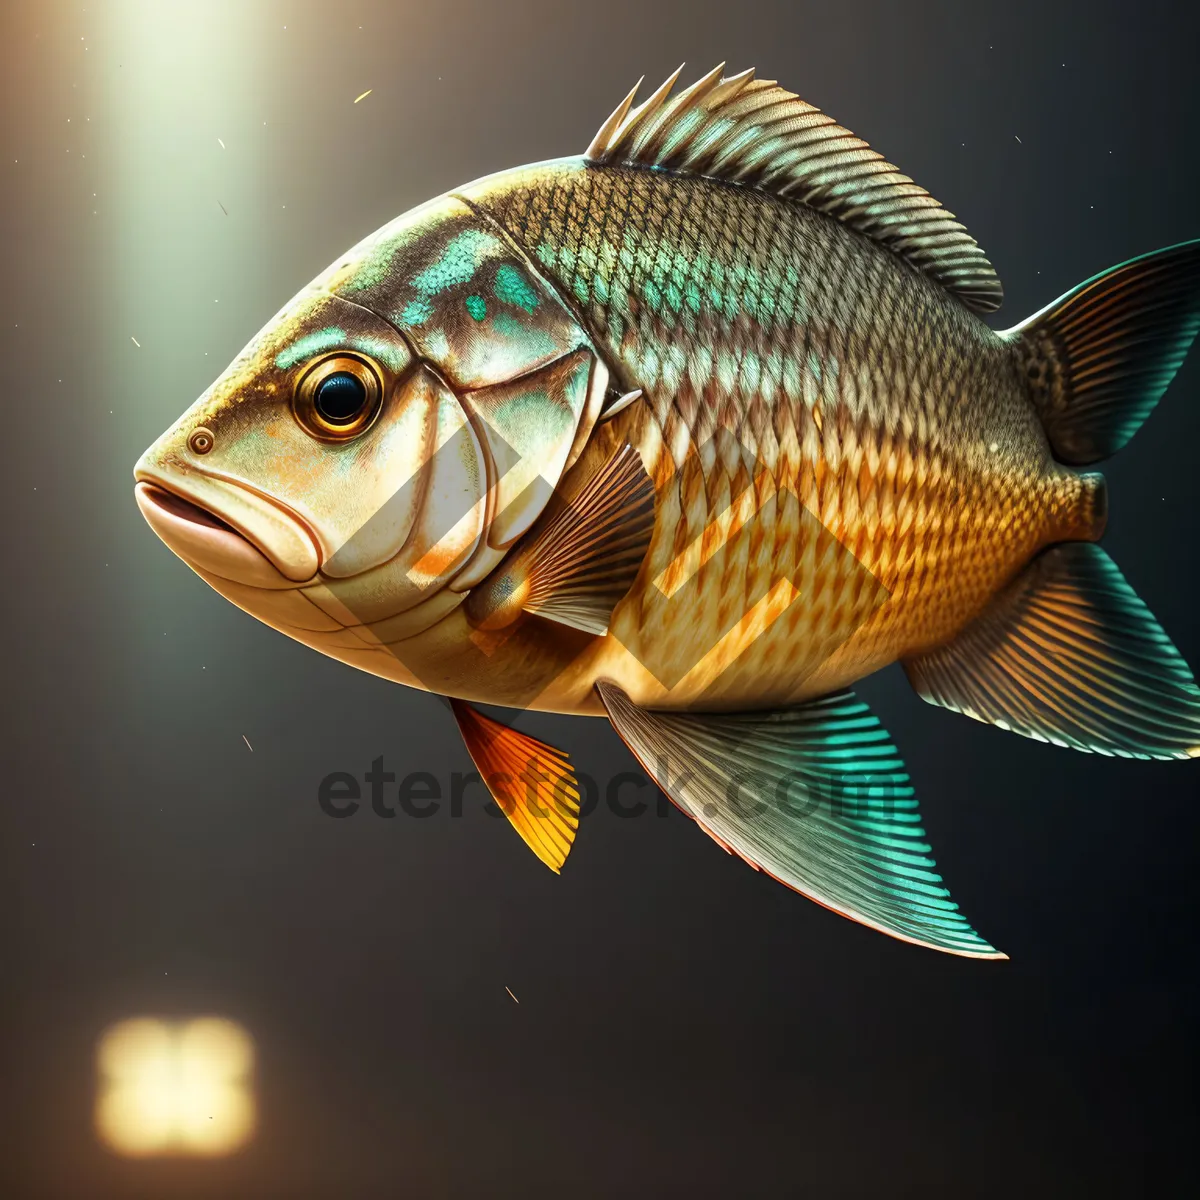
[817,797]
[1069,654]
[580,559]
[533,783]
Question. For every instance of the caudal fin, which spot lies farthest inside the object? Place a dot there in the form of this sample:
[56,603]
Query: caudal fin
[1099,358]
[1067,652]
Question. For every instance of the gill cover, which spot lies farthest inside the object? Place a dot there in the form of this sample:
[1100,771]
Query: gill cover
[508,350]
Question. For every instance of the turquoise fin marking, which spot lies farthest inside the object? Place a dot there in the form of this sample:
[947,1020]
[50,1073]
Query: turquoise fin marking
[1069,654]
[1100,357]
[817,797]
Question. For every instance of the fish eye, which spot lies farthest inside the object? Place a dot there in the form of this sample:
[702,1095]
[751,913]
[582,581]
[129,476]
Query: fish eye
[338,397]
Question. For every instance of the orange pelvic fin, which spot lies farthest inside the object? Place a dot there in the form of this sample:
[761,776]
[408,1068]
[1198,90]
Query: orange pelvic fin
[533,783]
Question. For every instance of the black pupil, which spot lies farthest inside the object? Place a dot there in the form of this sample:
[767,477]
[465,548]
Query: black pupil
[340,398]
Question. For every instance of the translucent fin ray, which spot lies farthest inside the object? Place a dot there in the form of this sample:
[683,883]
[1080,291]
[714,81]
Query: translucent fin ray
[1100,357]
[1069,654]
[533,783]
[817,797]
[581,558]
[753,132]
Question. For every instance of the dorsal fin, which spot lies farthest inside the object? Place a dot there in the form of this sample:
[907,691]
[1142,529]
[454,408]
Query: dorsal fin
[753,132]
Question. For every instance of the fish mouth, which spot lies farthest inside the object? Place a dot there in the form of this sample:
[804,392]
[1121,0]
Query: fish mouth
[237,535]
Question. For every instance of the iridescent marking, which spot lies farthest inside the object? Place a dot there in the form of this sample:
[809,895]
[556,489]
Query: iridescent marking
[310,344]
[458,263]
[476,306]
[417,312]
[512,287]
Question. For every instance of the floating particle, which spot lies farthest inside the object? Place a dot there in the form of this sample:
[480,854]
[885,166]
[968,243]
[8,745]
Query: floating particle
[247,741]
[223,208]
[220,143]
[135,341]
[364,95]
[509,991]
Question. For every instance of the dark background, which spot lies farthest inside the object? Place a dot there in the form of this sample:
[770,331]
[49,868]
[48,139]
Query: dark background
[686,1027]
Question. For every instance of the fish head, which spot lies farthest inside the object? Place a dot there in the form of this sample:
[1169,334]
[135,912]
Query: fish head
[375,451]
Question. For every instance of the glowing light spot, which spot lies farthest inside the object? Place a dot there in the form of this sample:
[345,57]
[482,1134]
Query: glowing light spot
[175,1089]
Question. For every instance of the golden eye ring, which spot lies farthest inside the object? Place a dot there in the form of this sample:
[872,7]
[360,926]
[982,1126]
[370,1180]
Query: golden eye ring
[338,397]
[201,440]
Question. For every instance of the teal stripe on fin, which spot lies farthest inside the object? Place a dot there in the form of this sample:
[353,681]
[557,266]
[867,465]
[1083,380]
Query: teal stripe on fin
[817,797]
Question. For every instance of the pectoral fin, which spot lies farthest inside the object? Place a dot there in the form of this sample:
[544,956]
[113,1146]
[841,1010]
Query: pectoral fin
[582,556]
[817,797]
[532,783]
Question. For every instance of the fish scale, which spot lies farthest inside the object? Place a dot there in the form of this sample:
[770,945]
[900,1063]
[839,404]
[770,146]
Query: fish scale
[841,372]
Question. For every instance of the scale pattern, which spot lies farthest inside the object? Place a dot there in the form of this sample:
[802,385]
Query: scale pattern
[785,356]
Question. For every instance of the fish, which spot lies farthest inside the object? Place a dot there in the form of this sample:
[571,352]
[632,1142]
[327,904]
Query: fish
[692,432]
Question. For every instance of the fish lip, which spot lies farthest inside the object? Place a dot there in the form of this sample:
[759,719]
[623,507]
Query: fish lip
[168,508]
[181,508]
[285,509]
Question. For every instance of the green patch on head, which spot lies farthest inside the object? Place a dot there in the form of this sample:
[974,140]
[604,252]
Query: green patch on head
[457,263]
[513,288]
[393,354]
[310,344]
[416,312]
[369,272]
[476,306]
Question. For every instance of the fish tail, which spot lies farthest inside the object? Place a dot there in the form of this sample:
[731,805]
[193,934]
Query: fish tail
[1100,357]
[1068,653]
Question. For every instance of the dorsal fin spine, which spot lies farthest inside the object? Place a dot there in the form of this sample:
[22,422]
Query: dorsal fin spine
[605,132]
[752,132]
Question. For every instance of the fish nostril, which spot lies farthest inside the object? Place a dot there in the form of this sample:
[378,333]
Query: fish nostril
[201,440]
